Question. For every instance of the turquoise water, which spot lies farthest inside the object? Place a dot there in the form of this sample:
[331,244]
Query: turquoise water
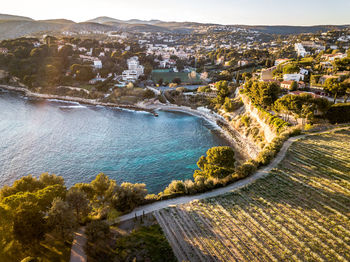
[78,141]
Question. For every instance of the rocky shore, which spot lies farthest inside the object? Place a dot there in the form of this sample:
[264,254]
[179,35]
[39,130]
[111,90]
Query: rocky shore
[76,99]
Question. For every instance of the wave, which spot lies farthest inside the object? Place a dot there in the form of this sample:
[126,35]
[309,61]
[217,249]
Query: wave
[132,110]
[64,101]
[74,106]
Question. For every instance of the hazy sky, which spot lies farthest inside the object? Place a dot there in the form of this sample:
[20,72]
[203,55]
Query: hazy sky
[253,12]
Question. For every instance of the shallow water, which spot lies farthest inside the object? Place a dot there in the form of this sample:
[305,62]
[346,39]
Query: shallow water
[78,141]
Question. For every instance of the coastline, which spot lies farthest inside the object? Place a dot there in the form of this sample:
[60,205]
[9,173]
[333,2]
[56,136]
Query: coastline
[76,99]
[231,135]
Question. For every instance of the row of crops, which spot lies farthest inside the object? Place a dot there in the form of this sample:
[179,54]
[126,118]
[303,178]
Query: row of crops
[300,212]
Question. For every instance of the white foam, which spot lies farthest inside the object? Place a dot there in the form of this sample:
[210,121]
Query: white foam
[75,106]
[63,101]
[133,110]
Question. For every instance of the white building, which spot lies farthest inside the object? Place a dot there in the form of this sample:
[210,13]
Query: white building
[97,64]
[299,48]
[304,71]
[293,77]
[134,69]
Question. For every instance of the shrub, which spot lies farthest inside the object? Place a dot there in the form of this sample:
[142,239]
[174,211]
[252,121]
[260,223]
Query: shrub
[339,113]
[245,170]
[245,120]
[175,187]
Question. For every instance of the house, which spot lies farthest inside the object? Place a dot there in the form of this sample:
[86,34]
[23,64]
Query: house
[287,85]
[281,61]
[293,77]
[304,71]
[134,70]
[97,64]
[4,51]
[267,74]
[299,48]
[332,57]
[325,77]
[242,63]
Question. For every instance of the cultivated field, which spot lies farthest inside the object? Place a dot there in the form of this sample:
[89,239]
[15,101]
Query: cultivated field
[300,212]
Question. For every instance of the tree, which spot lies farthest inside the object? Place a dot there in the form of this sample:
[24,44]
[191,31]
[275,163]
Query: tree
[60,219]
[49,180]
[103,188]
[291,69]
[261,93]
[222,92]
[128,196]
[294,86]
[346,88]
[98,239]
[229,105]
[78,201]
[219,163]
[333,86]
[29,225]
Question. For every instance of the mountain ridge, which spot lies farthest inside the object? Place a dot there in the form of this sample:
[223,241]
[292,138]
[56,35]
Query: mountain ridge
[12,26]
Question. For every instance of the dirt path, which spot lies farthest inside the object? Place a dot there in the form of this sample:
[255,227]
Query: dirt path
[77,252]
[220,191]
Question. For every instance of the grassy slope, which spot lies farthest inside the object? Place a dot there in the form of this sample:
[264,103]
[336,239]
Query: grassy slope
[299,212]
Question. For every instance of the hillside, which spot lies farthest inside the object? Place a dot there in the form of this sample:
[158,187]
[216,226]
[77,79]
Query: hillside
[299,212]
[14,17]
[17,26]
[285,30]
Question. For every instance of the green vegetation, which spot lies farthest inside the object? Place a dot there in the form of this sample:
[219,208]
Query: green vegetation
[30,225]
[299,212]
[301,106]
[38,216]
[146,244]
[339,113]
[219,163]
[262,94]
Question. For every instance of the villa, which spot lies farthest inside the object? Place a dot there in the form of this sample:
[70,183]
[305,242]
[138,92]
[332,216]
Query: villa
[135,70]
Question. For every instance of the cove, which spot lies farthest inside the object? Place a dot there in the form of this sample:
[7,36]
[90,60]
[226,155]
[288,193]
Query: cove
[78,141]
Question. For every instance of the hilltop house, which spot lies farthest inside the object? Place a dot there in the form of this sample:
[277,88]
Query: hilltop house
[134,70]
[293,77]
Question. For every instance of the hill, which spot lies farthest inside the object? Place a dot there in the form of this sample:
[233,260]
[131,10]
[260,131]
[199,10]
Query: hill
[285,30]
[14,17]
[17,26]
[104,19]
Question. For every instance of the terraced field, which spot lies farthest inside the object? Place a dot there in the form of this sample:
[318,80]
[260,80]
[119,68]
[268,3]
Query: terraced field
[299,212]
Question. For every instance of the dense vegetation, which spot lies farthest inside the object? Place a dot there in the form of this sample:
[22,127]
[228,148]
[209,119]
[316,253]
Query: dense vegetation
[299,212]
[339,113]
[36,212]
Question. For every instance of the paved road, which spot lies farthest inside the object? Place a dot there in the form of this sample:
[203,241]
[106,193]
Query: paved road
[77,252]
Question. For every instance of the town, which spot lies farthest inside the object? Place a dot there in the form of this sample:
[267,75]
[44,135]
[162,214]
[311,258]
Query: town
[100,69]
